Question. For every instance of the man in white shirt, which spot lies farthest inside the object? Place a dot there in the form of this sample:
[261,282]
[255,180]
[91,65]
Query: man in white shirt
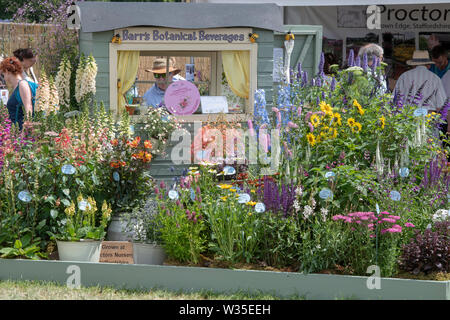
[409,84]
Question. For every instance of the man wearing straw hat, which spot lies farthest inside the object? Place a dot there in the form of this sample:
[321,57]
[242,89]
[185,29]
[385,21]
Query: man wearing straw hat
[155,95]
[432,95]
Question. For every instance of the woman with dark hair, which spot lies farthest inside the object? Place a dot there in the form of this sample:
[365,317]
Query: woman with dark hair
[21,100]
[27,58]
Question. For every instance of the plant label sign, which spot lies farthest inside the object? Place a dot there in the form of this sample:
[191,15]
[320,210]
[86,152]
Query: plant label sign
[117,252]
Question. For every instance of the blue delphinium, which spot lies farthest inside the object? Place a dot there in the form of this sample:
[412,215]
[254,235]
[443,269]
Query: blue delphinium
[261,116]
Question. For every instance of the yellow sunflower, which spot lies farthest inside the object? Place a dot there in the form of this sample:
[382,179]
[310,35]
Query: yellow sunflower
[337,118]
[383,122]
[335,133]
[351,122]
[326,108]
[357,127]
[357,105]
[315,120]
[311,139]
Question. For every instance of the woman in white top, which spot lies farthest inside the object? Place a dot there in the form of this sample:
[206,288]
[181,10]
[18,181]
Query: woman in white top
[28,58]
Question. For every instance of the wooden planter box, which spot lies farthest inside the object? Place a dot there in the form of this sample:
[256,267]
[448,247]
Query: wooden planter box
[188,279]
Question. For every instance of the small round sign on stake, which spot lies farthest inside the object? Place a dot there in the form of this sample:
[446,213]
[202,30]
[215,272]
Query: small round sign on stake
[68,169]
[173,195]
[378,208]
[325,194]
[420,112]
[83,205]
[260,207]
[228,170]
[116,176]
[395,195]
[404,172]
[192,194]
[24,196]
[244,198]
[330,174]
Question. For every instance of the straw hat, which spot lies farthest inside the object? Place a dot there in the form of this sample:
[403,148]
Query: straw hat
[159,66]
[420,57]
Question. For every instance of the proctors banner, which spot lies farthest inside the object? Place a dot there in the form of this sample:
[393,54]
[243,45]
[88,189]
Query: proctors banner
[352,20]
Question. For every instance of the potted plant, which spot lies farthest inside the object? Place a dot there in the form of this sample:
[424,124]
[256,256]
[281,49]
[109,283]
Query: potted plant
[81,232]
[158,127]
[141,223]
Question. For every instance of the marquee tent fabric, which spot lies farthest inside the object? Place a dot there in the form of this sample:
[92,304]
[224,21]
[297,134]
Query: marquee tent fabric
[105,16]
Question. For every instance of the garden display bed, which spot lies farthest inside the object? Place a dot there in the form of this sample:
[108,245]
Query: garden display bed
[283,284]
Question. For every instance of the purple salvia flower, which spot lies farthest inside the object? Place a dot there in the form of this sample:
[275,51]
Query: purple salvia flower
[351,55]
[321,64]
[365,63]
[323,95]
[319,82]
[333,84]
[304,78]
[374,64]
[358,61]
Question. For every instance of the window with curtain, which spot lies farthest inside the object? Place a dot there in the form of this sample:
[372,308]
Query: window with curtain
[224,74]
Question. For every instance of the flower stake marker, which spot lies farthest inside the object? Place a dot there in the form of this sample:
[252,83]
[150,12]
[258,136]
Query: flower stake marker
[260,207]
[116,176]
[244,198]
[404,172]
[330,174]
[173,195]
[326,194]
[192,194]
[420,112]
[83,205]
[395,195]
[68,169]
[24,196]
[228,170]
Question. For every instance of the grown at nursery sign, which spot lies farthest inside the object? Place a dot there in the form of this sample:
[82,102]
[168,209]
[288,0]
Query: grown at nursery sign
[117,252]
[167,35]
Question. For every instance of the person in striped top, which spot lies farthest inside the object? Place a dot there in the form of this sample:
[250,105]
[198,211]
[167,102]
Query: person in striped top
[421,86]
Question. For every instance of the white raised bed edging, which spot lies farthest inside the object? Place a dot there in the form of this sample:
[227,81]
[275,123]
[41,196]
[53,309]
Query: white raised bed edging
[283,284]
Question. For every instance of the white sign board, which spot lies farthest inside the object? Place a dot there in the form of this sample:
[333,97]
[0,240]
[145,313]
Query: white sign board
[278,62]
[4,95]
[214,104]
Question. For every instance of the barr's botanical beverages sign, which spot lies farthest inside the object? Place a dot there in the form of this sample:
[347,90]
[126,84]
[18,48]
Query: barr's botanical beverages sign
[166,35]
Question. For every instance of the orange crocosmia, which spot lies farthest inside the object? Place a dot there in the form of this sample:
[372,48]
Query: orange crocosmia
[148,144]
[147,157]
[122,163]
[115,165]
[135,142]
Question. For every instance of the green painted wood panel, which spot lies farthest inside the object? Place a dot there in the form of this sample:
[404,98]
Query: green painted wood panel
[283,284]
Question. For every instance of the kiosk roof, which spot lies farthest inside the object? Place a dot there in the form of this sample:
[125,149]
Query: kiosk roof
[105,16]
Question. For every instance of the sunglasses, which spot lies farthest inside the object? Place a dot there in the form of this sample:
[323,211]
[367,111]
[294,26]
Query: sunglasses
[161,75]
